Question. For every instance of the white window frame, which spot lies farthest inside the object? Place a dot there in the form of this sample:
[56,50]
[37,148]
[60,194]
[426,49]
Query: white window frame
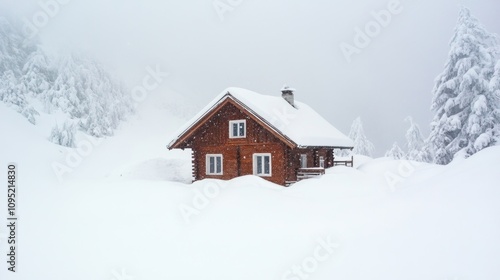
[303,160]
[207,164]
[322,161]
[238,122]
[263,167]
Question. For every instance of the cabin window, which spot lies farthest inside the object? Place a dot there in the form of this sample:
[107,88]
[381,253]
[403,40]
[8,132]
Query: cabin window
[237,129]
[214,165]
[262,164]
[322,162]
[303,161]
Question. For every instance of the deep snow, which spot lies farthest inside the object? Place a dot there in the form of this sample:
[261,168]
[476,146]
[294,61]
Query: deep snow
[127,210]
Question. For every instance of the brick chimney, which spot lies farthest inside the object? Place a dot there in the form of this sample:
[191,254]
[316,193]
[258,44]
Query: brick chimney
[287,94]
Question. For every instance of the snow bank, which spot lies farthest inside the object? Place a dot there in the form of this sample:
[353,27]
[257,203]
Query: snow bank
[435,222]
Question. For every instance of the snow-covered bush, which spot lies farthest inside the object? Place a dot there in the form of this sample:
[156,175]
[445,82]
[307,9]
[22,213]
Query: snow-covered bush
[63,135]
[418,148]
[395,152]
[362,146]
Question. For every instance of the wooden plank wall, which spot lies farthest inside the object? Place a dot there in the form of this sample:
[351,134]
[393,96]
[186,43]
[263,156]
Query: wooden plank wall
[213,138]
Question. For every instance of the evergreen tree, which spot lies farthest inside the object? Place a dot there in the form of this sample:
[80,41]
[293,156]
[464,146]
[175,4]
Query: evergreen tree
[12,94]
[64,136]
[36,73]
[362,146]
[416,145]
[13,54]
[462,99]
[13,51]
[486,139]
[395,152]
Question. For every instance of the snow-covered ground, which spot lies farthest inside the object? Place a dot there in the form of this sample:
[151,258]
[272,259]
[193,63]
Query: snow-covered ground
[123,208]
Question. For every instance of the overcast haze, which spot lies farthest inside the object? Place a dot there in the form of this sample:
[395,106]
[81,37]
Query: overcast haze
[260,45]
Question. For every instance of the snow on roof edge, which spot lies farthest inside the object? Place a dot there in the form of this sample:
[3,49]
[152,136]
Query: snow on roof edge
[208,108]
[249,99]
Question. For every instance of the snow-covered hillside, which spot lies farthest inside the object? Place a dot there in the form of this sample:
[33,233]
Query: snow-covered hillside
[125,210]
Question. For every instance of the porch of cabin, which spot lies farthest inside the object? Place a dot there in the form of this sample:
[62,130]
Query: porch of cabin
[306,172]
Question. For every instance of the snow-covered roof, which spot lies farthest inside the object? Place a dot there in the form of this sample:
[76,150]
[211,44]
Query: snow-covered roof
[301,124]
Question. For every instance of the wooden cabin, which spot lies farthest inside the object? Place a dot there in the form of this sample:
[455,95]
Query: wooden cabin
[275,137]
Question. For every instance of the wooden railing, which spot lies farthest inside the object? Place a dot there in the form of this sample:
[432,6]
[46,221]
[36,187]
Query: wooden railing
[349,163]
[311,172]
[304,173]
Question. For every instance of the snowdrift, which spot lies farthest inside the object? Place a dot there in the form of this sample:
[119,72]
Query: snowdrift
[128,210]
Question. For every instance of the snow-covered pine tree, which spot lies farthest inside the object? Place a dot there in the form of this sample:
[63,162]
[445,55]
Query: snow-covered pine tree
[64,136]
[12,93]
[13,53]
[362,146]
[37,76]
[415,143]
[395,152]
[485,140]
[462,98]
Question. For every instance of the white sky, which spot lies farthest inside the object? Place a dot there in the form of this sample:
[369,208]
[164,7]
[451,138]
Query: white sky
[260,45]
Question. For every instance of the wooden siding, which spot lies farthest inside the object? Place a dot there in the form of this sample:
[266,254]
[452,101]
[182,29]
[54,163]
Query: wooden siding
[212,137]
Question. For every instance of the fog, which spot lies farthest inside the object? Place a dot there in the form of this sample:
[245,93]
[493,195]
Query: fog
[261,45]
